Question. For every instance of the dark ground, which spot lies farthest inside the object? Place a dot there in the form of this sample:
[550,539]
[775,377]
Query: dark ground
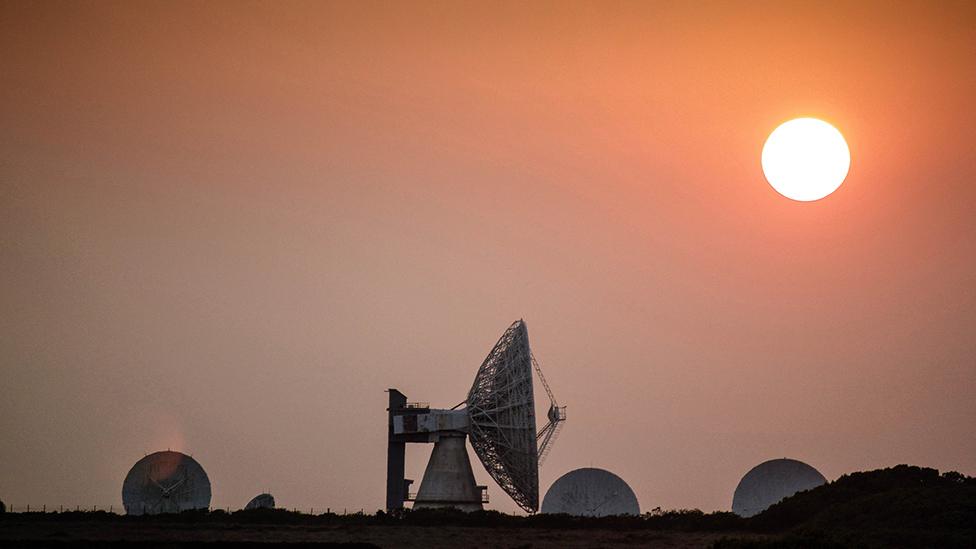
[903,506]
[31,533]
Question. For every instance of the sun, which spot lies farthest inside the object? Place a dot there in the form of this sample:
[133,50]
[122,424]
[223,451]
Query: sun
[805,159]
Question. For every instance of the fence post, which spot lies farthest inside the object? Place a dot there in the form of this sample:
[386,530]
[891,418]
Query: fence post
[28,507]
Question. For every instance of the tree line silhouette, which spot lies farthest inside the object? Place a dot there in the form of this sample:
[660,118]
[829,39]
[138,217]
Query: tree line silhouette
[902,506]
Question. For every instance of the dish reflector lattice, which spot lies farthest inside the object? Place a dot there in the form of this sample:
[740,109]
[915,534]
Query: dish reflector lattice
[501,407]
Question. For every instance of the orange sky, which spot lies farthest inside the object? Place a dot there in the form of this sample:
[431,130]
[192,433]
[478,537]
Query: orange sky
[227,228]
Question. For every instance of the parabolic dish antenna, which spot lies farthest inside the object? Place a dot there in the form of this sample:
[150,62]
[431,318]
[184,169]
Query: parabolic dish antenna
[772,481]
[501,407]
[165,482]
[590,492]
[260,501]
[498,416]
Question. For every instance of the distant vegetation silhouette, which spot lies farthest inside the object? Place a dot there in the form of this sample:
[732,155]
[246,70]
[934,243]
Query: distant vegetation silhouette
[903,506]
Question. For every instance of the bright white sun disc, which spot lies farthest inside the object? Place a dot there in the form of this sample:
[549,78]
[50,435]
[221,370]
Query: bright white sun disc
[805,159]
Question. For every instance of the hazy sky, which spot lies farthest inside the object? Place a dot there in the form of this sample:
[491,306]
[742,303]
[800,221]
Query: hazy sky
[228,228]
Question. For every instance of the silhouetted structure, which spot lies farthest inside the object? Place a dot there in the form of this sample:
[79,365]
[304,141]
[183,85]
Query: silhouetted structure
[261,501]
[590,492]
[770,482]
[499,417]
[165,482]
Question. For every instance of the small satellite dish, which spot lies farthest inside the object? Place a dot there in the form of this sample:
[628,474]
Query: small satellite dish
[590,492]
[498,417]
[261,501]
[772,481]
[165,482]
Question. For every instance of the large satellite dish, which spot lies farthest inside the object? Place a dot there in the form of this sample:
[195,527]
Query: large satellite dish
[771,482]
[165,482]
[590,492]
[499,417]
